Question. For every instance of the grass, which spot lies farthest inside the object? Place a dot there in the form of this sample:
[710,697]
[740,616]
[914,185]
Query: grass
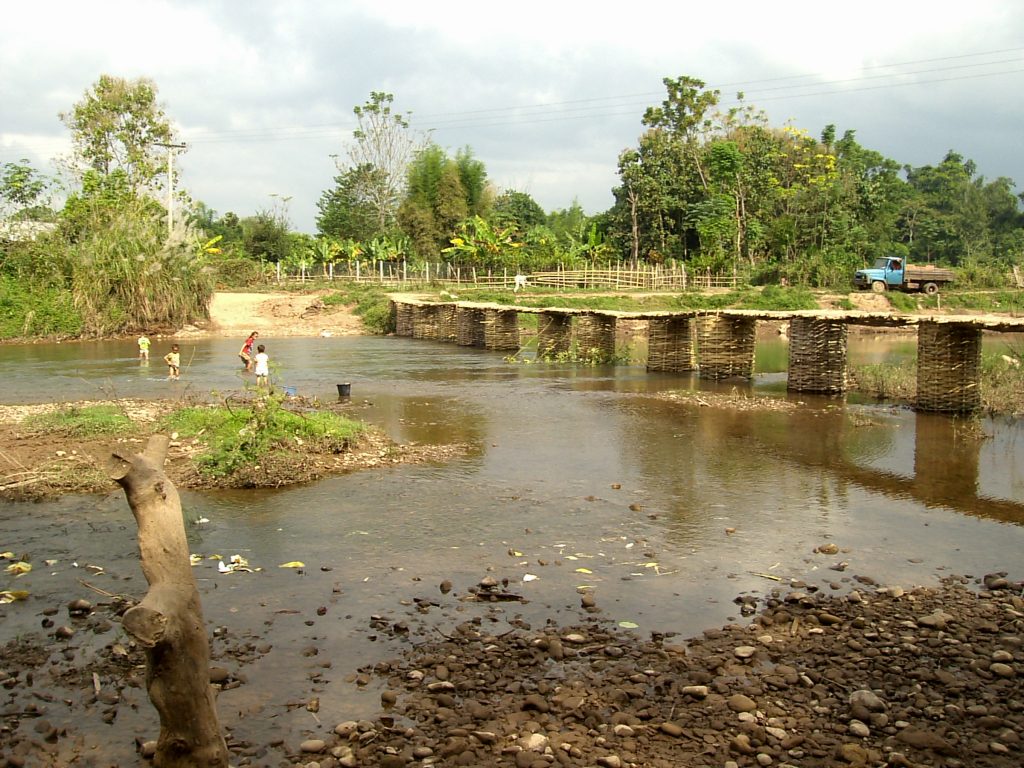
[1001,381]
[239,436]
[84,421]
[371,305]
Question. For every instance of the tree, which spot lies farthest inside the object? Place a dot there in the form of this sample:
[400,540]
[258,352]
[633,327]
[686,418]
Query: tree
[347,211]
[380,155]
[23,191]
[440,193]
[119,126]
[518,211]
[265,237]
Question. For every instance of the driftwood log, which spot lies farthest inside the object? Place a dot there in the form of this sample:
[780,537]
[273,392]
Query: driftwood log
[168,622]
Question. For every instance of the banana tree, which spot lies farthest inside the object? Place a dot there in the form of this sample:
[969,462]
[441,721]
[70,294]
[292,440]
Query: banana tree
[481,244]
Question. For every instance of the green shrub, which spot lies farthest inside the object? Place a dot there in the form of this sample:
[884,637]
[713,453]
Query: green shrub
[27,311]
[237,437]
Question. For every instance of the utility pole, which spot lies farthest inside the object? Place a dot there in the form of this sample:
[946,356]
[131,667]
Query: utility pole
[170,182]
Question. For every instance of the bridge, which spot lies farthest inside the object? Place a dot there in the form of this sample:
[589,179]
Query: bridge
[719,344]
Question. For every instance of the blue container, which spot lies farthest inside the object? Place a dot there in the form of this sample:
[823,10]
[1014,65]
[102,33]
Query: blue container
[290,391]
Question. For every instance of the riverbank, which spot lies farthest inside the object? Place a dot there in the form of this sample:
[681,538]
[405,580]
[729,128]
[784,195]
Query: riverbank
[871,676]
[45,463]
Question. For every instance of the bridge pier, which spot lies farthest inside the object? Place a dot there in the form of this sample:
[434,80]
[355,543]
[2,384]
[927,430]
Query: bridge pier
[817,356]
[501,329]
[468,327]
[447,326]
[948,367]
[595,337]
[725,347]
[670,344]
[403,318]
[554,334]
[424,321]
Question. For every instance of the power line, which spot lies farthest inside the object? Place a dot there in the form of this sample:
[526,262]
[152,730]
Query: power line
[622,105]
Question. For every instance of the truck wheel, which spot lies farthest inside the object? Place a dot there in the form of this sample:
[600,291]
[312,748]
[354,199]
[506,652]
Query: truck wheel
[878,286]
[930,288]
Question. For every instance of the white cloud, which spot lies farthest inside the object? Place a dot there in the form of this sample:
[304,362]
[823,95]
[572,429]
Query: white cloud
[265,96]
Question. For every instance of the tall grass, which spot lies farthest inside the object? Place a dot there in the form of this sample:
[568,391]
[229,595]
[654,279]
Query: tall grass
[129,274]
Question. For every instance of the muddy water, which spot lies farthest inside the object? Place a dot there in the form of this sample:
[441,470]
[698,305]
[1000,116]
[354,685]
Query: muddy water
[574,475]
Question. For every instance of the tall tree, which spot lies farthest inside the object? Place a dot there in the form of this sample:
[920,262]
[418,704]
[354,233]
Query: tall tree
[380,154]
[119,126]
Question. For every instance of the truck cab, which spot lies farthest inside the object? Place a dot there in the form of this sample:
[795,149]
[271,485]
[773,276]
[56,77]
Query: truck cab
[885,274]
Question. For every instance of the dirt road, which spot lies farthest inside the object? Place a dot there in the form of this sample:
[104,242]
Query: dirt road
[277,314]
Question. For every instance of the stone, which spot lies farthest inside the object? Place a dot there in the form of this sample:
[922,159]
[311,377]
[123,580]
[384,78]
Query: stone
[313,745]
[744,651]
[1002,670]
[741,703]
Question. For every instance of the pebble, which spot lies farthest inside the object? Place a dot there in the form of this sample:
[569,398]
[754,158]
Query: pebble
[857,728]
[740,703]
[744,651]
[313,745]
[1002,670]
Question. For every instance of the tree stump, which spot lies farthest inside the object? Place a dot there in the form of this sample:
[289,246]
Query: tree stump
[168,622]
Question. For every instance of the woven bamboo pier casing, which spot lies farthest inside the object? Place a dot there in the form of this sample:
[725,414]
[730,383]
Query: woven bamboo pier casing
[465,322]
[447,328]
[479,328]
[670,344]
[595,336]
[948,367]
[554,334]
[424,321]
[817,356]
[501,329]
[403,318]
[725,347]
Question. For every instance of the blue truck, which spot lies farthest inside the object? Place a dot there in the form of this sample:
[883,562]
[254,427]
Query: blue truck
[892,273]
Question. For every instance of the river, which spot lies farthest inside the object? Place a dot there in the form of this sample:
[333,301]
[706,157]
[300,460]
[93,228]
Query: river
[575,477]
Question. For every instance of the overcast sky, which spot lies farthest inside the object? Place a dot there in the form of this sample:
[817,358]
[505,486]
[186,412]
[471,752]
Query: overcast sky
[545,93]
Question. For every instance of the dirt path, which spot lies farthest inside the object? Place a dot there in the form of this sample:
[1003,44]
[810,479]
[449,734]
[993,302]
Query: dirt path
[277,314]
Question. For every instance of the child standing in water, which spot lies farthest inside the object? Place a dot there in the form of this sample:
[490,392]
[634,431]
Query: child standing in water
[246,352]
[173,360]
[143,347]
[262,366]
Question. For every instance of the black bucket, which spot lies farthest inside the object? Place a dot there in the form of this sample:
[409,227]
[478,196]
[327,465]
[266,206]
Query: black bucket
[344,390]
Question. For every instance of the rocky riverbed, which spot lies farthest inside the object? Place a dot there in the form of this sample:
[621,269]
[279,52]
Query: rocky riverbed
[870,676]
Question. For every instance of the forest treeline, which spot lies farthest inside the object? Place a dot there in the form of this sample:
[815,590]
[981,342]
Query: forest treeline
[720,191]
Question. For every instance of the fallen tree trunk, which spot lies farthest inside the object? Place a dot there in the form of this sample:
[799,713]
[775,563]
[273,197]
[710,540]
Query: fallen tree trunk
[168,622]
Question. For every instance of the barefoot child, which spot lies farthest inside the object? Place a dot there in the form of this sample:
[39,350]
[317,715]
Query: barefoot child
[143,347]
[262,366]
[173,360]
[246,352]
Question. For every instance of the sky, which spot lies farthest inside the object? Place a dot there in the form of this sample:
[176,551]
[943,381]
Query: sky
[546,94]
